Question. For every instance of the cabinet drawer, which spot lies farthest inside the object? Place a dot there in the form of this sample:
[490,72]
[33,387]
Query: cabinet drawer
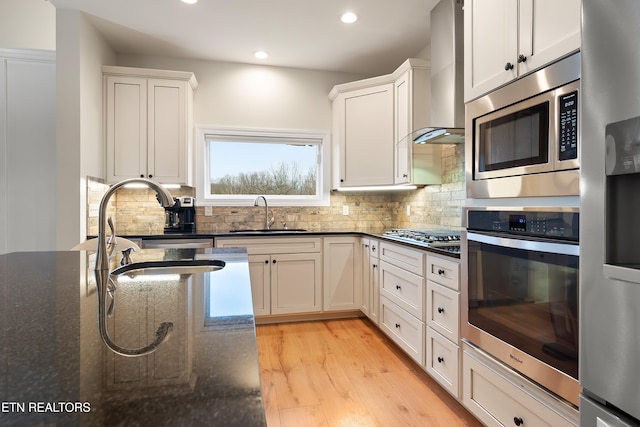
[409,259]
[443,271]
[497,401]
[272,245]
[443,310]
[404,288]
[403,328]
[443,361]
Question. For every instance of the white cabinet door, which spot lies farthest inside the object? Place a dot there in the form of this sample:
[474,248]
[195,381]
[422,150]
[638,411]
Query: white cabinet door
[490,45]
[260,275]
[126,132]
[167,131]
[342,278]
[370,295]
[366,136]
[296,283]
[506,39]
[412,98]
[549,30]
[148,123]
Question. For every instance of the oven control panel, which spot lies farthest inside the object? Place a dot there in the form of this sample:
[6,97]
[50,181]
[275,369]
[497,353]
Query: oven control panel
[561,224]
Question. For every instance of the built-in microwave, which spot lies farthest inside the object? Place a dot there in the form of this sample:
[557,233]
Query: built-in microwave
[523,140]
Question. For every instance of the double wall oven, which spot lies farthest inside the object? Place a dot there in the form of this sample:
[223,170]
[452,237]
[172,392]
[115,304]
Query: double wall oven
[520,243]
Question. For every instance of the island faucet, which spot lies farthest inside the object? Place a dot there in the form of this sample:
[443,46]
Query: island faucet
[267,221]
[103,271]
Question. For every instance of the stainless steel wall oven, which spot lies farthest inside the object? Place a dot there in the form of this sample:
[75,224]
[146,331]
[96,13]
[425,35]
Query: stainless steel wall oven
[521,299]
[522,140]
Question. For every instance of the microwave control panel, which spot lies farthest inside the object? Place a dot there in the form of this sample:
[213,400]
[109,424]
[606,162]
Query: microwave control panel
[568,132]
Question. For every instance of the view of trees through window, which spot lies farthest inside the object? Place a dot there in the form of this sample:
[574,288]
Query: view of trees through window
[263,168]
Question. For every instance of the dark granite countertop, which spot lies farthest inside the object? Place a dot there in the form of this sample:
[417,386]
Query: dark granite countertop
[377,234]
[55,369]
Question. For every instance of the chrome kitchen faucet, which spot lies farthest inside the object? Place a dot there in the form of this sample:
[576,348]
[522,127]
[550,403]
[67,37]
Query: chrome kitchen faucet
[267,222]
[103,271]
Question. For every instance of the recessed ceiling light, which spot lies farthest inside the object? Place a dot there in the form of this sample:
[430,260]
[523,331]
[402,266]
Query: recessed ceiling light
[261,54]
[349,17]
[190,1]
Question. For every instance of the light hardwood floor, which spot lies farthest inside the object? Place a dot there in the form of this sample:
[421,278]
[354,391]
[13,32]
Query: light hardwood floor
[347,373]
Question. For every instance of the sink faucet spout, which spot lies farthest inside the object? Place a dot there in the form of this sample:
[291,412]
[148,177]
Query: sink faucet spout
[267,221]
[103,271]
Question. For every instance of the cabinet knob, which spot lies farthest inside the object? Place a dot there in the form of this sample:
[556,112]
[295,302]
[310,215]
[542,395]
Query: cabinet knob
[266,261]
[150,176]
[440,359]
[440,272]
[341,180]
[366,246]
[375,265]
[397,325]
[274,261]
[440,310]
[373,248]
[508,66]
[521,59]
[398,287]
[404,175]
[518,421]
[141,175]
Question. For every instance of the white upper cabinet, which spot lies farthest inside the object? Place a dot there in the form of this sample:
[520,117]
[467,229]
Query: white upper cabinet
[373,122]
[412,111]
[148,124]
[364,129]
[505,39]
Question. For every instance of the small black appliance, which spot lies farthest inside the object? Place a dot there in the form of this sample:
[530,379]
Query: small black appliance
[181,217]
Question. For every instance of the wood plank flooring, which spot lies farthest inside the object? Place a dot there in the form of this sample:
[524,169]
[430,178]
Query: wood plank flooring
[347,373]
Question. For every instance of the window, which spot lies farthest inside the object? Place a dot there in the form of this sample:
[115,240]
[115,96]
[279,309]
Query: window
[237,165]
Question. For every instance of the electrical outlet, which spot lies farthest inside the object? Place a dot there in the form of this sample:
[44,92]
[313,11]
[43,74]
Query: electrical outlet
[345,210]
[408,210]
[208,211]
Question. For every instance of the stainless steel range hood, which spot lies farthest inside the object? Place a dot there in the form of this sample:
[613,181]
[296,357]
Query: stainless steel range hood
[447,71]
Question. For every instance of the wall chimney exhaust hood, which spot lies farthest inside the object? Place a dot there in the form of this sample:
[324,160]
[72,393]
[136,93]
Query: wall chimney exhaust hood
[447,71]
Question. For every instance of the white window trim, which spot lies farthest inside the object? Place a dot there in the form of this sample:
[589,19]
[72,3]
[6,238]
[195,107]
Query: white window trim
[201,160]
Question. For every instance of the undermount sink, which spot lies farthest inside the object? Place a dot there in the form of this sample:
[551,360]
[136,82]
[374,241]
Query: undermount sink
[266,230]
[170,267]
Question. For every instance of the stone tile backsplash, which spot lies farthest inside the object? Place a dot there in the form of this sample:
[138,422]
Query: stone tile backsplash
[138,212]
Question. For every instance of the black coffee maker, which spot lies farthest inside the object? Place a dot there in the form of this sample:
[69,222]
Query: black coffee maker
[181,217]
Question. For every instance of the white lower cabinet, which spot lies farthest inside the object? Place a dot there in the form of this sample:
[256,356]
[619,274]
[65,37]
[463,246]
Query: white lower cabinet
[499,397]
[443,361]
[403,328]
[402,297]
[286,273]
[342,275]
[370,291]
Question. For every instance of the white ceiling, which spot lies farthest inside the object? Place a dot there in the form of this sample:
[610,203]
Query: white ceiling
[297,33]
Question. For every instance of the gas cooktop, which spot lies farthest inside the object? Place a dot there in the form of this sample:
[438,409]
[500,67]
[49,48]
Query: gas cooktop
[445,240]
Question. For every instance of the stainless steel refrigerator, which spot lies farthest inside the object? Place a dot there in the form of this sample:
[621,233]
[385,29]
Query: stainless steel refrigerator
[610,214]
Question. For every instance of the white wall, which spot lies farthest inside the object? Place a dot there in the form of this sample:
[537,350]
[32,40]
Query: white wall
[81,51]
[230,94]
[27,24]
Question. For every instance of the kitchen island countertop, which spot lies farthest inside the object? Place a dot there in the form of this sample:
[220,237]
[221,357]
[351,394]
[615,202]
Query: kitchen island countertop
[55,370]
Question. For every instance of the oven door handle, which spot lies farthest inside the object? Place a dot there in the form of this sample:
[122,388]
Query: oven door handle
[526,245]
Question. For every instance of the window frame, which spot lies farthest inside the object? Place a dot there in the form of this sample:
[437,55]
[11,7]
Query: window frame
[204,198]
